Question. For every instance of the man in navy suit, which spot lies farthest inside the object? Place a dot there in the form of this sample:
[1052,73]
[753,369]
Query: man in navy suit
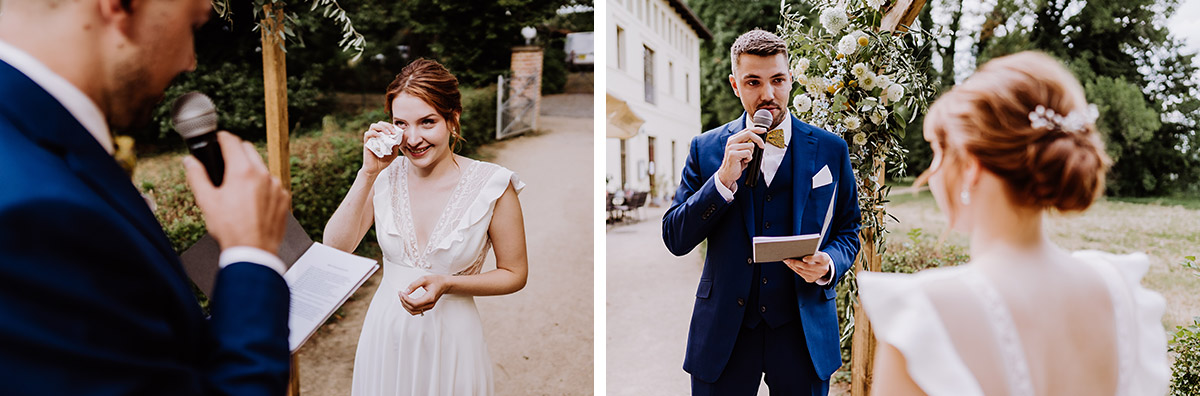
[772,318]
[93,299]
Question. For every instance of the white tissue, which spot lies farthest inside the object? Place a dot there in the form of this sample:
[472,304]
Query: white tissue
[382,145]
[417,293]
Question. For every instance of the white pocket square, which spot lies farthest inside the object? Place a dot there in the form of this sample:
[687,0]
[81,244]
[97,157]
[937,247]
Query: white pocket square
[822,178]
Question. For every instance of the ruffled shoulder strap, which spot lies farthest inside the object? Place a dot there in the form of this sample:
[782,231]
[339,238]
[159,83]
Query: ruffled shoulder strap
[488,181]
[1141,341]
[903,316]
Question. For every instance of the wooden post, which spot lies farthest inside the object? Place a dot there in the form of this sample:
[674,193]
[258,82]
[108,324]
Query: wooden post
[862,347]
[275,94]
[863,344]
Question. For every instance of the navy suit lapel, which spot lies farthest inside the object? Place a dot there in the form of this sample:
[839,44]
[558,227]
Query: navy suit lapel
[45,121]
[803,149]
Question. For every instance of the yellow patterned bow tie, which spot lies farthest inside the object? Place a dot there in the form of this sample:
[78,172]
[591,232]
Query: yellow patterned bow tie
[124,154]
[775,138]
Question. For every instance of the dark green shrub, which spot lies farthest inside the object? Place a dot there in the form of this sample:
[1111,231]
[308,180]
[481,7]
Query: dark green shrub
[1185,374]
[322,172]
[554,66]
[478,118]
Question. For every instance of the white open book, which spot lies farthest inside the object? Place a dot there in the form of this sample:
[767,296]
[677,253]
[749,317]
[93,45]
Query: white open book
[771,249]
[320,282]
[320,278]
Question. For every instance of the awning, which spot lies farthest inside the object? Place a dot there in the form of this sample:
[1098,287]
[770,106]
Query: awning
[622,123]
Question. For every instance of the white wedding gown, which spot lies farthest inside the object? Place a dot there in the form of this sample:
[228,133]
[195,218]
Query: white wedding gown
[906,313]
[441,352]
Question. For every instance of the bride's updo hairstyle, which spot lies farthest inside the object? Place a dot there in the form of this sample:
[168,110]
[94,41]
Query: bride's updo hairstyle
[430,81]
[1058,165]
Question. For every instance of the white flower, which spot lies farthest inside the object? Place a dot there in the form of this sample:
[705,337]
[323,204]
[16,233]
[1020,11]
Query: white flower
[895,92]
[834,19]
[878,115]
[815,86]
[875,4]
[847,45]
[852,123]
[800,68]
[860,139]
[802,103]
[801,79]
[868,81]
[883,81]
[859,70]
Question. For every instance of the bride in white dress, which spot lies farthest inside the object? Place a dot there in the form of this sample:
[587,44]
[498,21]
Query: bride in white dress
[1024,317]
[436,214]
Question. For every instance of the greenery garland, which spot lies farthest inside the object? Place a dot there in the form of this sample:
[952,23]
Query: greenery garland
[865,85]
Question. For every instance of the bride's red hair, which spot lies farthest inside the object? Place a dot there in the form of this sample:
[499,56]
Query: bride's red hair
[430,81]
[986,118]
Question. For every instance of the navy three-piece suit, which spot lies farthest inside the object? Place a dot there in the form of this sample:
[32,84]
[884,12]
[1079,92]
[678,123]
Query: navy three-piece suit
[753,318]
[93,299]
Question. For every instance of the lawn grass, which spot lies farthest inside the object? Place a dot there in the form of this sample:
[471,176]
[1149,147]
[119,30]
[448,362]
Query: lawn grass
[1167,230]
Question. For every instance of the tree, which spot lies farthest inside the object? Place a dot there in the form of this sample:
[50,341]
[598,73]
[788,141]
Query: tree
[1139,77]
[727,20]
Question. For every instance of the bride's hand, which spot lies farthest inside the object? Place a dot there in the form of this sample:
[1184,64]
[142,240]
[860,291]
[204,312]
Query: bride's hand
[435,286]
[371,163]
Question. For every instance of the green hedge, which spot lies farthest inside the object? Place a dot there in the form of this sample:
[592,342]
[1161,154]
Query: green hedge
[1185,374]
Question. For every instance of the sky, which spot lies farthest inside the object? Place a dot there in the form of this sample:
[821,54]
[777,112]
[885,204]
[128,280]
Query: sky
[1186,23]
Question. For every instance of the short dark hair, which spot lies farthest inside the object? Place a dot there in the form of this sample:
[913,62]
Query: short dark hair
[756,42]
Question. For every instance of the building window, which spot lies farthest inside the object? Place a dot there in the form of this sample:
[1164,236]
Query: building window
[620,48]
[624,161]
[671,77]
[648,71]
[687,88]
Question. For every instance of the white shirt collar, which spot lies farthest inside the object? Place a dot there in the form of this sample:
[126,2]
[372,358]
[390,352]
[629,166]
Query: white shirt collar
[786,126]
[75,101]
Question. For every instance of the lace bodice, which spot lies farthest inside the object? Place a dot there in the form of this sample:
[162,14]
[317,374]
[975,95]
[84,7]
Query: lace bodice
[459,242]
[903,312]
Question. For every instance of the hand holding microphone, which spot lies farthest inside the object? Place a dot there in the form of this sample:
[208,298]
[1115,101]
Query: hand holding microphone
[742,150]
[243,204]
[762,120]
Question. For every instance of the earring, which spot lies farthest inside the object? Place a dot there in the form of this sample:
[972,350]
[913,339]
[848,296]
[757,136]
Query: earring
[965,197]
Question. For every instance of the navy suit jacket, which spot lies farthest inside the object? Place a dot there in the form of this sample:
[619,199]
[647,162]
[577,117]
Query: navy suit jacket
[700,212]
[93,299]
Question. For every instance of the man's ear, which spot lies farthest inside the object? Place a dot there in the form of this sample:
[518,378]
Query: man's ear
[117,14]
[733,84]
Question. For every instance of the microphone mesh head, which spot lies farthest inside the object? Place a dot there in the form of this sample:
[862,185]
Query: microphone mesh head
[762,118]
[193,114]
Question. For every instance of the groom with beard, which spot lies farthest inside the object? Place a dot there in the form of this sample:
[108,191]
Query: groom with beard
[772,318]
[93,299]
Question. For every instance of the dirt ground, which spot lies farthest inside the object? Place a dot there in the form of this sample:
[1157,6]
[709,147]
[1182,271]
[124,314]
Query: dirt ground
[540,338]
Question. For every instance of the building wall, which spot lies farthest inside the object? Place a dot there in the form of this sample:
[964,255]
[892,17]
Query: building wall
[674,114]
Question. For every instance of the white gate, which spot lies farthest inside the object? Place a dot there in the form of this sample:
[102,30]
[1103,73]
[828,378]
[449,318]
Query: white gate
[516,100]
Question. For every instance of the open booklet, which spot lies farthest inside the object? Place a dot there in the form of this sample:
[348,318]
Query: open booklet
[320,282]
[320,278]
[771,249]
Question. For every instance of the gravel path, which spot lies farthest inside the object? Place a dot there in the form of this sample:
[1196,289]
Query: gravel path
[540,338]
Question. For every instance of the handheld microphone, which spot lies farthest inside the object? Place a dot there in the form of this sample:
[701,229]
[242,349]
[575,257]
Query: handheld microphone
[195,118]
[762,119]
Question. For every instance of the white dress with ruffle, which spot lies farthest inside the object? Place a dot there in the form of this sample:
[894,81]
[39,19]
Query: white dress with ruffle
[441,352]
[903,314]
